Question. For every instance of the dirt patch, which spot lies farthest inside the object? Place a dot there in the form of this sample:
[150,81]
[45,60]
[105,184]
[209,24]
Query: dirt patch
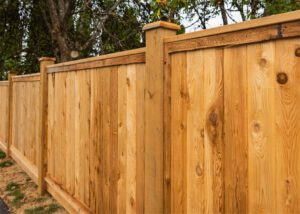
[20,193]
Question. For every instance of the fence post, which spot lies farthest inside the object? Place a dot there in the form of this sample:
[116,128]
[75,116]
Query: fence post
[154,108]
[10,111]
[41,154]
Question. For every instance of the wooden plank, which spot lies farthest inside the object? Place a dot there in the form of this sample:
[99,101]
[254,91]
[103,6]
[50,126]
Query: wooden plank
[235,127]
[27,78]
[179,133]
[4,83]
[106,126]
[195,133]
[265,33]
[10,112]
[68,202]
[287,115]
[140,138]
[78,169]
[4,118]
[84,79]
[70,132]
[130,57]
[96,199]
[51,125]
[261,127]
[122,137]
[262,22]
[43,99]
[102,57]
[25,164]
[113,154]
[213,131]
[3,146]
[167,130]
[131,140]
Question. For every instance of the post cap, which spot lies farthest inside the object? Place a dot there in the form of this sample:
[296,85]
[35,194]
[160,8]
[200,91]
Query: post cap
[161,24]
[47,59]
[12,72]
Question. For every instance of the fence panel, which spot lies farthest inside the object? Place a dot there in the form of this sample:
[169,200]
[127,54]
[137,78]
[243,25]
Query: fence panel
[25,122]
[4,114]
[234,124]
[96,136]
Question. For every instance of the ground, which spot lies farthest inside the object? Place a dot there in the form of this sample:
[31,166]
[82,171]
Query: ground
[19,192]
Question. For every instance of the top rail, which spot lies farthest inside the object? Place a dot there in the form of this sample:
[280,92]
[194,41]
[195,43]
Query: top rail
[4,83]
[26,78]
[256,23]
[120,58]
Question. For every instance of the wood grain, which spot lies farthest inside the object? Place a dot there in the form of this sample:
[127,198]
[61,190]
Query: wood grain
[96,137]
[235,128]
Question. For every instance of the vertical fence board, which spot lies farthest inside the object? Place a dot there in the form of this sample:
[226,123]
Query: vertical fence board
[178,135]
[4,90]
[213,131]
[287,117]
[195,133]
[261,127]
[235,127]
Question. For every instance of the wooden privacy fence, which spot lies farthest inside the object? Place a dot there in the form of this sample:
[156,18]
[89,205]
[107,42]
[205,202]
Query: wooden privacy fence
[205,122]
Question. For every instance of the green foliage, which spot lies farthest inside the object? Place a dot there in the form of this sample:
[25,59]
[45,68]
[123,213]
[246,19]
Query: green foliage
[52,208]
[281,6]
[168,10]
[11,31]
[15,192]
[5,164]
[27,34]
[12,186]
[2,154]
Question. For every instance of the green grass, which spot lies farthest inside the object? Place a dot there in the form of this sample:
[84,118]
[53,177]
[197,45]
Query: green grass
[12,186]
[52,208]
[15,192]
[6,164]
[2,154]
[18,198]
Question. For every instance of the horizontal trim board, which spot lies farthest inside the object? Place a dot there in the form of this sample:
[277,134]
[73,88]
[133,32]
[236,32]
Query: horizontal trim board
[24,163]
[4,83]
[26,78]
[67,201]
[122,58]
[261,22]
[272,32]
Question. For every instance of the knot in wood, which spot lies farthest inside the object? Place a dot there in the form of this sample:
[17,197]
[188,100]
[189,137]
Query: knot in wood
[282,78]
[131,201]
[150,95]
[213,118]
[256,127]
[128,82]
[202,133]
[297,52]
[263,62]
[199,170]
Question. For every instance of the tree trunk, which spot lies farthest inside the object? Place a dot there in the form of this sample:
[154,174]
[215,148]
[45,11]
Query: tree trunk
[223,12]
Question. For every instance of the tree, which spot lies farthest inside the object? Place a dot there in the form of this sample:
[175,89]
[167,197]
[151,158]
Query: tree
[38,42]
[280,6]
[69,21]
[11,31]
